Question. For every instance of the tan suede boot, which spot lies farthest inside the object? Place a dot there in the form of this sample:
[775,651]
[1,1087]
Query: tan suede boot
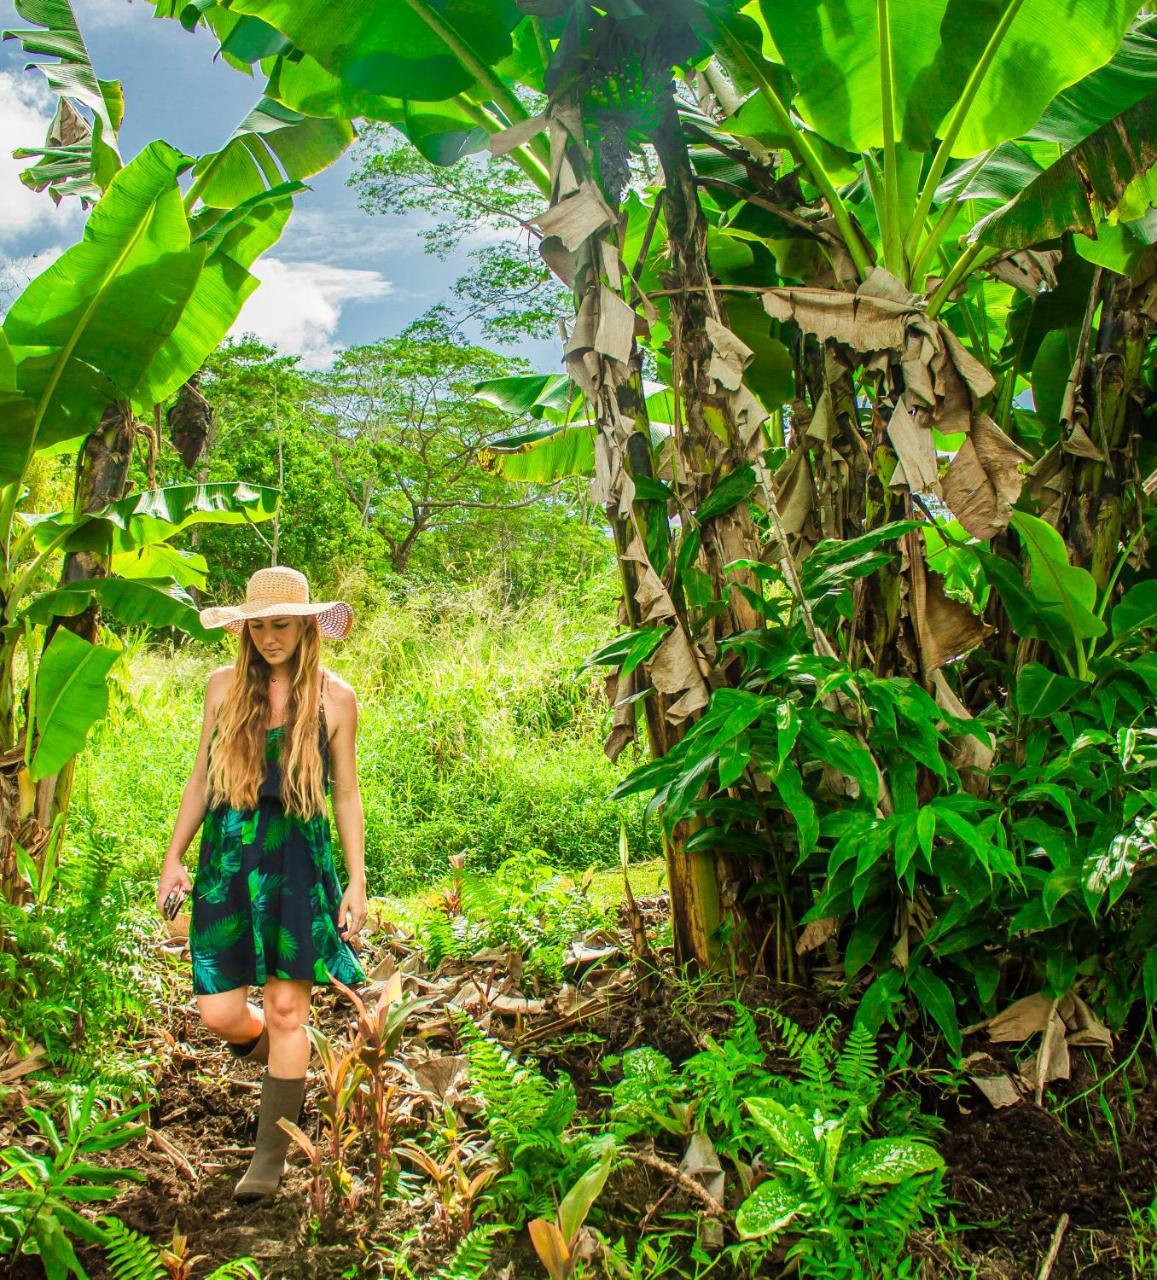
[252,1050]
[278,1098]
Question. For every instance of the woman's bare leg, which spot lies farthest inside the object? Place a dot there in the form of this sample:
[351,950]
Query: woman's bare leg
[230,1015]
[287,1003]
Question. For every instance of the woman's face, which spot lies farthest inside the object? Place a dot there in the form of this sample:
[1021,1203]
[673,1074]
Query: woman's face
[276,639]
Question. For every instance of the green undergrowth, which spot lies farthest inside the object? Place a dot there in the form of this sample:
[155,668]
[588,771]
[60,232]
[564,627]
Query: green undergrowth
[479,732]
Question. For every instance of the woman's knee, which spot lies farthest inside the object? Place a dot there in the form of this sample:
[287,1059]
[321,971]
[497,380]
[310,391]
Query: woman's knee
[223,1014]
[286,1007]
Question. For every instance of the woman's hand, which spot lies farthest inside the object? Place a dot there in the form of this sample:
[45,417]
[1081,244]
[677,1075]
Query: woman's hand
[351,915]
[174,875]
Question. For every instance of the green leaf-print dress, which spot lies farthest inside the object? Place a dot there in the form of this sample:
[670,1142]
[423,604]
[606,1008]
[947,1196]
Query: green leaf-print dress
[266,894]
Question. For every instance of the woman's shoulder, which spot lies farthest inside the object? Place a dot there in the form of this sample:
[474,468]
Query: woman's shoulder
[335,687]
[338,694]
[217,685]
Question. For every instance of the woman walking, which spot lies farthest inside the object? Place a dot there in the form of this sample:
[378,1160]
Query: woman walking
[267,907]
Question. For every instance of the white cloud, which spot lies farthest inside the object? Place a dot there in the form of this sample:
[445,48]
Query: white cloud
[110,13]
[298,306]
[28,219]
[336,234]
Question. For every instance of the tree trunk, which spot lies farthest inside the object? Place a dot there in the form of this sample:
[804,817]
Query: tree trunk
[101,477]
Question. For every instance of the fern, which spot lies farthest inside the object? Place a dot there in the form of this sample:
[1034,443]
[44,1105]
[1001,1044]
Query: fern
[528,1119]
[857,1068]
[131,1256]
[471,1260]
[236,1269]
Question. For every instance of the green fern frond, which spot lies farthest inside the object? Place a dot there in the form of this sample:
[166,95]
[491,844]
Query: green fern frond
[857,1067]
[131,1256]
[471,1260]
[236,1269]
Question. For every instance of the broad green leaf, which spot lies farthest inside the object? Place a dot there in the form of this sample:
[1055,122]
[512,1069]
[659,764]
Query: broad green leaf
[85,164]
[1057,585]
[769,1208]
[1072,191]
[935,997]
[626,651]
[771,374]
[159,560]
[1040,692]
[833,52]
[443,132]
[727,494]
[272,145]
[155,604]
[143,519]
[996,175]
[1124,80]
[790,1132]
[1137,610]
[303,84]
[232,242]
[527,393]
[576,1204]
[1115,248]
[1110,871]
[393,47]
[85,331]
[883,1162]
[71,696]
[790,786]
[541,457]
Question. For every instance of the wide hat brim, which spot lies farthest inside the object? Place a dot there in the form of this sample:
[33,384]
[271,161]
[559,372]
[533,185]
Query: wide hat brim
[334,617]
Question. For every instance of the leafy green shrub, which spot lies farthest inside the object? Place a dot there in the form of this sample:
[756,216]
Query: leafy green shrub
[529,1120]
[74,973]
[827,1172]
[1011,849]
[525,904]
[38,1192]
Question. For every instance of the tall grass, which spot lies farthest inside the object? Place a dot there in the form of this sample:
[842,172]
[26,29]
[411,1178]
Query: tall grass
[478,731]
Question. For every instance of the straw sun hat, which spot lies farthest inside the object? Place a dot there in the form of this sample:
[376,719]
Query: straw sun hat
[280,593]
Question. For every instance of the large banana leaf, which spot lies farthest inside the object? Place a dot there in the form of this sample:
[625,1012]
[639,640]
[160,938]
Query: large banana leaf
[303,84]
[1038,48]
[144,519]
[79,157]
[1127,78]
[541,457]
[552,397]
[1066,196]
[232,241]
[428,50]
[155,604]
[159,560]
[87,329]
[272,144]
[529,393]
[71,696]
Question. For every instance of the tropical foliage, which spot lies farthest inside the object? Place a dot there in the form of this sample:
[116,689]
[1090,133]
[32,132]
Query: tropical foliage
[894,273]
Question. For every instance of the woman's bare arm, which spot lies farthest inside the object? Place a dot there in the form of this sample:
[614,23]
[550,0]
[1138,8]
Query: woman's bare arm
[347,802]
[194,801]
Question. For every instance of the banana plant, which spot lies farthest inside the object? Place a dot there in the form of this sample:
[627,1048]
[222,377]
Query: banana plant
[894,266]
[97,342]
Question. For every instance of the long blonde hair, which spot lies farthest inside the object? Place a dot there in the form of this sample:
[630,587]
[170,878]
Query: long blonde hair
[237,752]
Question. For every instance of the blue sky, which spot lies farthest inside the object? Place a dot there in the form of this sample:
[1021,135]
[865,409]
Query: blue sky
[337,277]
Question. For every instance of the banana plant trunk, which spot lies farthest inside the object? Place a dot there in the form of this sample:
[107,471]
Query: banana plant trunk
[102,476]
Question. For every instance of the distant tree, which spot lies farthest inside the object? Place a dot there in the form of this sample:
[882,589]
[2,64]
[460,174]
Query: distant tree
[405,428]
[508,290]
[262,430]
